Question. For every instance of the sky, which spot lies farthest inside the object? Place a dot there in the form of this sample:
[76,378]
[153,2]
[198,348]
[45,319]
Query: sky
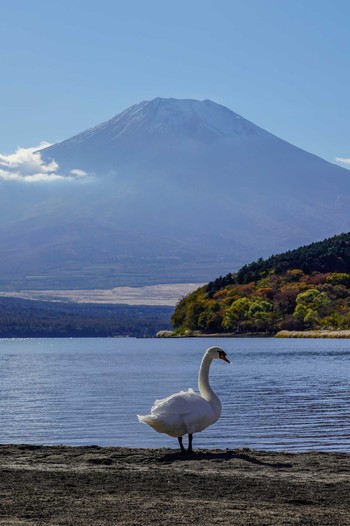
[68,65]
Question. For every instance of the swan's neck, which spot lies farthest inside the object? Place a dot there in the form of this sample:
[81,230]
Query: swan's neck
[204,386]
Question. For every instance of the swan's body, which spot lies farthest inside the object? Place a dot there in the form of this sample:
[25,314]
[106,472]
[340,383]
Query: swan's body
[188,412]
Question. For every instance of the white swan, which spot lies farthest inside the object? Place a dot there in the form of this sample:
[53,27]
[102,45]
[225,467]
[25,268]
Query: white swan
[187,412]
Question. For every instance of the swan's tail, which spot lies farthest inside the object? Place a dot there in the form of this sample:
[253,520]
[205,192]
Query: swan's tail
[155,422]
[144,418]
[147,419]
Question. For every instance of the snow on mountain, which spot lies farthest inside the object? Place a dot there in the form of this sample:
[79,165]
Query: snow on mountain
[152,128]
[172,115]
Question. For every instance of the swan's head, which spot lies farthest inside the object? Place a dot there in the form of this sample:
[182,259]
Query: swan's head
[217,353]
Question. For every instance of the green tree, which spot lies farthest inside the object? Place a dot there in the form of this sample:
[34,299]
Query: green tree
[309,305]
[260,314]
[236,314]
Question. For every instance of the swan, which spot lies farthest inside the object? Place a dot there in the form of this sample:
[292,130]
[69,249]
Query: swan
[188,412]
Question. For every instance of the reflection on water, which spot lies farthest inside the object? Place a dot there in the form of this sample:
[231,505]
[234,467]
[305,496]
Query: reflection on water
[278,394]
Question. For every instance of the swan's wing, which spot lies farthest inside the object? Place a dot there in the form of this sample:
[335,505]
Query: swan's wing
[181,413]
[178,403]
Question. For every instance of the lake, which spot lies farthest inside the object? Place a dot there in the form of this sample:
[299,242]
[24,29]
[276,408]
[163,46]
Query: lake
[278,394]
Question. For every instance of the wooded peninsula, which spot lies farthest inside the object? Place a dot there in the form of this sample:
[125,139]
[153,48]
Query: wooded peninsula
[300,290]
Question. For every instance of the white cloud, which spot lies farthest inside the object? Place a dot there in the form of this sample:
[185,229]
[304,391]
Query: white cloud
[79,173]
[26,165]
[343,160]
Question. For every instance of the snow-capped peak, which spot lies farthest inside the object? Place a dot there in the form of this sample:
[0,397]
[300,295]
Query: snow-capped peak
[168,115]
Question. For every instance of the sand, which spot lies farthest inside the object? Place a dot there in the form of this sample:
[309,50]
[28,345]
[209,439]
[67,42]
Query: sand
[161,295]
[57,485]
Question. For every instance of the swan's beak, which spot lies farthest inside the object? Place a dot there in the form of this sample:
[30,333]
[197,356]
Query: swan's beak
[225,359]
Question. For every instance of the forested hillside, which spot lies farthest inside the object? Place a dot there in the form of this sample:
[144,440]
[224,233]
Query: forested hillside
[26,319]
[306,288]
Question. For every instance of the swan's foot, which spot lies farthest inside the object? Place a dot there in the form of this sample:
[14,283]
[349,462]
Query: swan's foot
[183,450]
[189,449]
[190,437]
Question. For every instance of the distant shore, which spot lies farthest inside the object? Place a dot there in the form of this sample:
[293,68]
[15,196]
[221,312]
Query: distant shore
[280,334]
[59,485]
[197,334]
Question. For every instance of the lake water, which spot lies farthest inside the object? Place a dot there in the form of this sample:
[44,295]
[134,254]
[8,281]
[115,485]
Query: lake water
[277,394]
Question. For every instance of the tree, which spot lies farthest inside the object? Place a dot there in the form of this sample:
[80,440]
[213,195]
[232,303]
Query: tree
[236,314]
[309,306]
[261,314]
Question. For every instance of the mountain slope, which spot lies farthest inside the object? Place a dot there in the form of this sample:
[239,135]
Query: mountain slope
[181,190]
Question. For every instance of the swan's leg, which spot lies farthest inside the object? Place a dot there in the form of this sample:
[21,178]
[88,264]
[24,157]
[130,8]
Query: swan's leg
[190,437]
[183,450]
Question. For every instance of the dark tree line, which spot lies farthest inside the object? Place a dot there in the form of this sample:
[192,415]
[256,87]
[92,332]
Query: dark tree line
[329,255]
[26,319]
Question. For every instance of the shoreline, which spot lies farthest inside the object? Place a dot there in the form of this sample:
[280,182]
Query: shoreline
[65,485]
[281,334]
[171,334]
[313,334]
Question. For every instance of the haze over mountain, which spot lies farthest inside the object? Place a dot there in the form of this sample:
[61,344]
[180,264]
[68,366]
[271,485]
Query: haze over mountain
[179,191]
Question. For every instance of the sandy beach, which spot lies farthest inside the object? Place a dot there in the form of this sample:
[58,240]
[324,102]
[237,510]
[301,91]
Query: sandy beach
[58,485]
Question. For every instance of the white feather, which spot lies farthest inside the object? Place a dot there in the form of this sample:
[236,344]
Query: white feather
[179,414]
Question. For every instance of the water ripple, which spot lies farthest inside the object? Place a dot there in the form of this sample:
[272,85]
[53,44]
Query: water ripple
[278,395]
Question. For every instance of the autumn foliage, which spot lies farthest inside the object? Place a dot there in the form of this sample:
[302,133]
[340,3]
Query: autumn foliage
[272,295]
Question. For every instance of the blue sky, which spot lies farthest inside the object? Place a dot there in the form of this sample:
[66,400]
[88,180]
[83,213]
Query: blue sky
[67,65]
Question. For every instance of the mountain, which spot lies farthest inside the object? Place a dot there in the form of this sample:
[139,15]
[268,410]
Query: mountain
[179,191]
